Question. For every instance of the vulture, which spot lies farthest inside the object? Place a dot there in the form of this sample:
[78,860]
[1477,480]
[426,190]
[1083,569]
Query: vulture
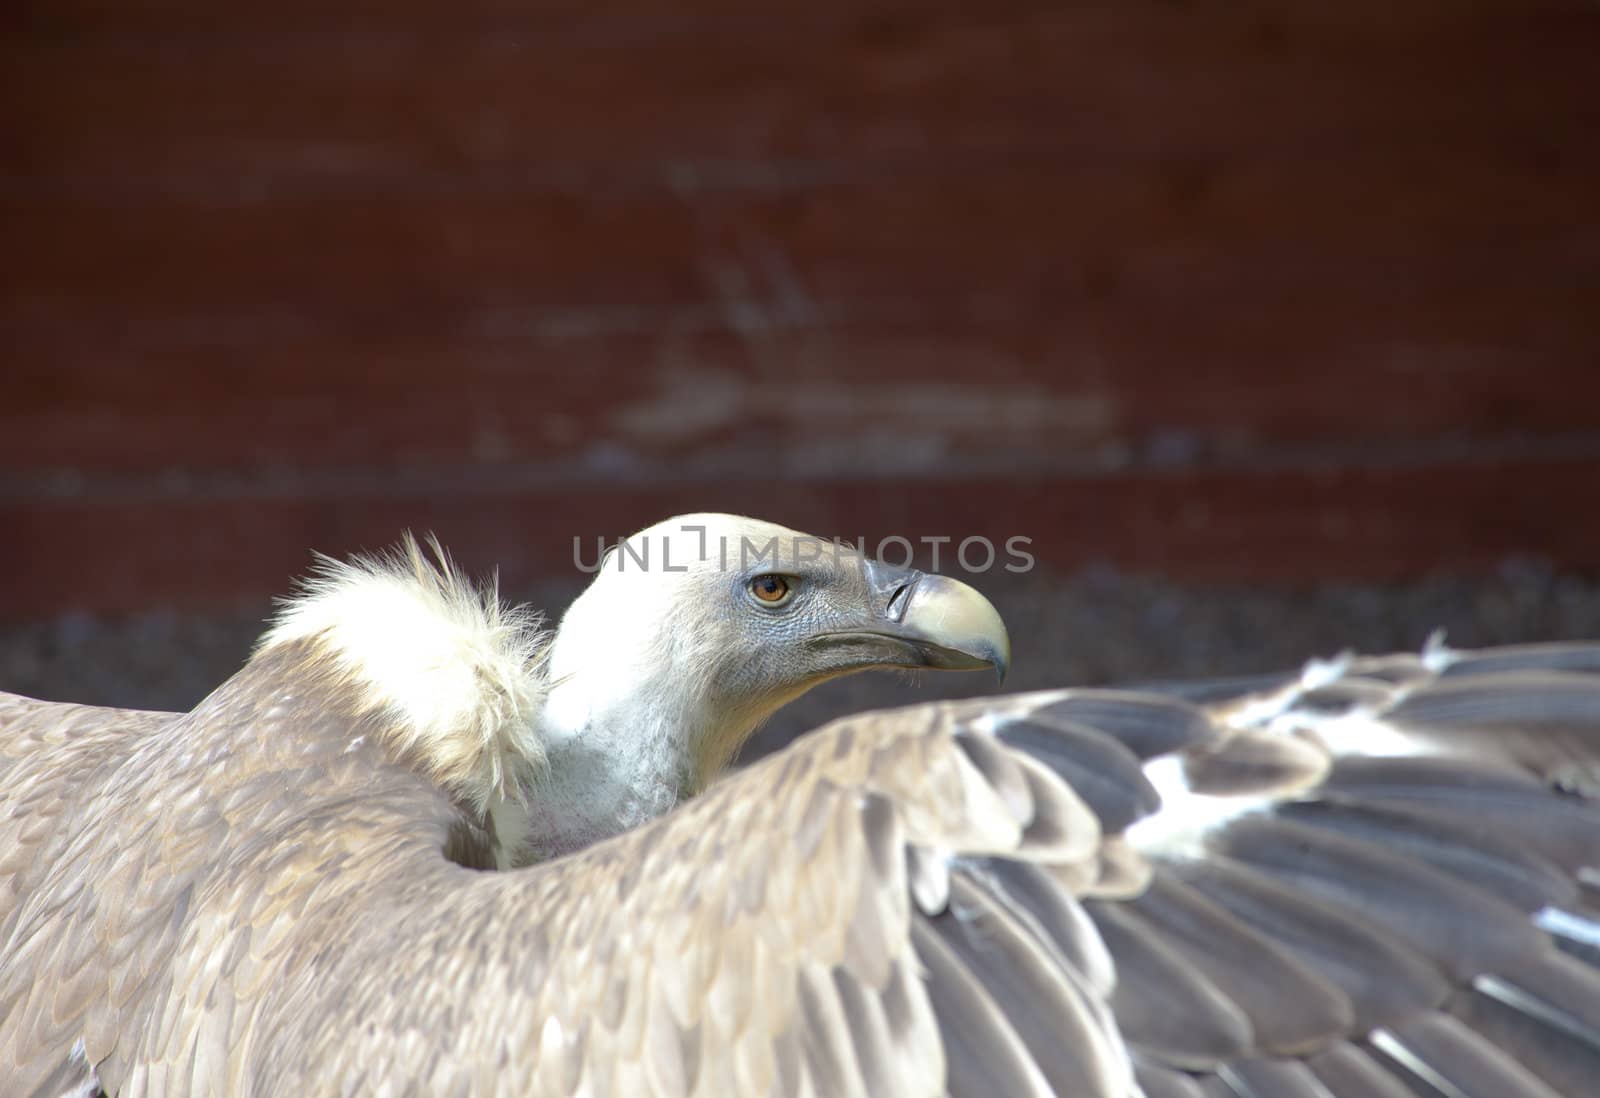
[420,845]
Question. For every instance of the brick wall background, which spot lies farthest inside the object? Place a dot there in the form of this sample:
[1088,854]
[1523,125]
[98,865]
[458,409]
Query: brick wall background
[1268,291]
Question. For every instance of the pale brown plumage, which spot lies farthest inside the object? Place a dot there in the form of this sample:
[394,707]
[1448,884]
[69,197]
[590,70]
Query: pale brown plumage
[975,898]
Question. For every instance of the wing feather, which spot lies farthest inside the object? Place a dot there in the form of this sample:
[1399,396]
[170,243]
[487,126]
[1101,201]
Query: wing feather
[1100,769]
[1477,857]
[985,1056]
[1351,1072]
[1044,1003]
[1163,1005]
[1263,1078]
[1462,930]
[1291,1009]
[1566,1065]
[1161,1082]
[1441,1052]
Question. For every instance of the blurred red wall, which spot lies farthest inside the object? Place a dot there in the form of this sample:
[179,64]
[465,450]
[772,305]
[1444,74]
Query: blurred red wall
[1269,290]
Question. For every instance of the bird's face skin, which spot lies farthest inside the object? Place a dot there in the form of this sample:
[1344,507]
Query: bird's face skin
[748,615]
[825,610]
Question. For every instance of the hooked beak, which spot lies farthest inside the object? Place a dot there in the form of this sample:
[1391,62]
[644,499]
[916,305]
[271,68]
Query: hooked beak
[931,621]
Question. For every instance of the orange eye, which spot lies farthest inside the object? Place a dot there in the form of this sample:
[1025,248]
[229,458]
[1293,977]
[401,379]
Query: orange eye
[770,589]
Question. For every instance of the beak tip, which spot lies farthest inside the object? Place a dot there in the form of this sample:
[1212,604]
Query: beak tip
[1000,659]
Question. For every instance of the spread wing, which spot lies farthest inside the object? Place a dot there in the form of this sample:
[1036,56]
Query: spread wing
[1378,879]
[1041,894]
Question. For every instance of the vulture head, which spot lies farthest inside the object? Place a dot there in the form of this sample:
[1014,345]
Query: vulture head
[692,633]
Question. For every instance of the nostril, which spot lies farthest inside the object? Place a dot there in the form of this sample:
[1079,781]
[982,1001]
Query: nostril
[897,601]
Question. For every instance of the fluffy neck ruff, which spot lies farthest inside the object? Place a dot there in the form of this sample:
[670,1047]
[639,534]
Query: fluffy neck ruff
[457,675]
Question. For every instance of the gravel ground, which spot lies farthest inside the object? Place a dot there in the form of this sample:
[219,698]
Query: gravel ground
[1094,628]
